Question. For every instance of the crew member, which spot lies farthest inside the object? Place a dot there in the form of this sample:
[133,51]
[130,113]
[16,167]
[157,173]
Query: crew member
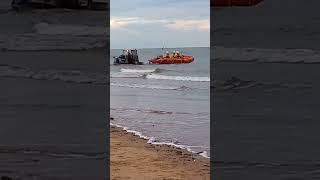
[167,54]
[178,54]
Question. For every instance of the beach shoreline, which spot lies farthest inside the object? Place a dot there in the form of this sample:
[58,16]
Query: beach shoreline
[131,157]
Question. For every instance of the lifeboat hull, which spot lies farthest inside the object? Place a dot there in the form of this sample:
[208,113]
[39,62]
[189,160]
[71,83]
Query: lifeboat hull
[183,60]
[228,3]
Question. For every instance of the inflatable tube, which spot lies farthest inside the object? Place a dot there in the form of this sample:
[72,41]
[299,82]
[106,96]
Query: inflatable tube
[228,3]
[172,60]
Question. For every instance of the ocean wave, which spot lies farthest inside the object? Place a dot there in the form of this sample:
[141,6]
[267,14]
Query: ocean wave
[306,56]
[204,154]
[178,78]
[43,151]
[160,87]
[72,76]
[127,75]
[41,42]
[134,73]
[141,110]
[150,111]
[152,140]
[312,164]
[235,83]
[152,74]
[140,70]
[56,37]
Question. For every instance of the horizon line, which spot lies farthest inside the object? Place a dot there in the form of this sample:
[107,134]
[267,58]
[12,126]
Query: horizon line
[162,47]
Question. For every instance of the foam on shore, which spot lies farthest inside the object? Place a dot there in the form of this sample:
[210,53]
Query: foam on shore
[152,140]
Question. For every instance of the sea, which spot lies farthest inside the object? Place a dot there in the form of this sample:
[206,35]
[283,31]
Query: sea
[166,104]
[266,113]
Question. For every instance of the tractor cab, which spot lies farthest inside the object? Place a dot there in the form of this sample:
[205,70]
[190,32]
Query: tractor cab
[127,57]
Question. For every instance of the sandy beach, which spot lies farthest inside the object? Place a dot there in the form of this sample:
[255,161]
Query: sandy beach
[133,158]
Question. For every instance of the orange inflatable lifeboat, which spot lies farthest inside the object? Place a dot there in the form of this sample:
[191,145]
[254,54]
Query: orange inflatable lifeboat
[175,58]
[226,3]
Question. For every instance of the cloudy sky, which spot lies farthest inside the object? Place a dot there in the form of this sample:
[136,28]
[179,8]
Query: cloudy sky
[159,23]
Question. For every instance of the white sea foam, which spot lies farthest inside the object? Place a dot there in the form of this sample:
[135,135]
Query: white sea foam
[178,78]
[160,87]
[152,140]
[138,70]
[132,73]
[137,133]
[204,154]
[126,75]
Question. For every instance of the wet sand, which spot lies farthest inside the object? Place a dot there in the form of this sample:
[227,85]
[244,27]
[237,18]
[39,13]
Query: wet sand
[133,158]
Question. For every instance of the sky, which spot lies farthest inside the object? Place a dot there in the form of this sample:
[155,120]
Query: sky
[159,23]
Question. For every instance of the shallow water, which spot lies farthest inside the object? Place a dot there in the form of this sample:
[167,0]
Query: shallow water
[167,103]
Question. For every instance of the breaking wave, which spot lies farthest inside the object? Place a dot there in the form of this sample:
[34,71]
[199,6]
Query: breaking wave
[55,153]
[178,78]
[127,75]
[152,140]
[160,87]
[149,111]
[10,71]
[140,70]
[132,73]
[152,74]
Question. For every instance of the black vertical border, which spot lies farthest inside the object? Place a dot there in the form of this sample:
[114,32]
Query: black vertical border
[211,95]
[107,117]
